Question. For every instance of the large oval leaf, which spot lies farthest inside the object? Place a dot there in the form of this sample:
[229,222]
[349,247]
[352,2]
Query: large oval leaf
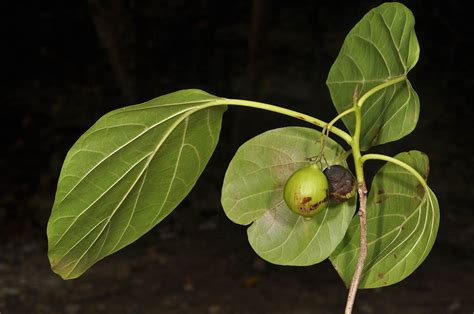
[381,47]
[127,173]
[402,220]
[253,192]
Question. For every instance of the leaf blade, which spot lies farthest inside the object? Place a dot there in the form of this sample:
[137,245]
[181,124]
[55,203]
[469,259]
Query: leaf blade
[127,173]
[381,47]
[252,195]
[402,224]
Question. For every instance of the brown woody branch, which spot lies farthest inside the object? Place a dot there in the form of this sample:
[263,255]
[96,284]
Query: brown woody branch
[362,189]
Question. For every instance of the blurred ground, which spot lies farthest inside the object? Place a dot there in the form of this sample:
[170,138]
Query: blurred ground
[209,268]
[197,261]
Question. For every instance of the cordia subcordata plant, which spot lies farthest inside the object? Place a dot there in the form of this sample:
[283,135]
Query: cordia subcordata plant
[291,186]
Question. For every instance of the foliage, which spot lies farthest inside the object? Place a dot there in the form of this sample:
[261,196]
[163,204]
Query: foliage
[252,193]
[135,165]
[126,174]
[380,48]
[402,224]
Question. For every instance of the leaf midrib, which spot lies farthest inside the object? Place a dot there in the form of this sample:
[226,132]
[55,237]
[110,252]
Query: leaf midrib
[150,156]
[119,149]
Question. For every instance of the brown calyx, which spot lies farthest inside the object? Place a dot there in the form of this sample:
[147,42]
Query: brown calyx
[341,183]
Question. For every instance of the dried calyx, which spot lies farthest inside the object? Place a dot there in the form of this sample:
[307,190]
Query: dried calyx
[342,184]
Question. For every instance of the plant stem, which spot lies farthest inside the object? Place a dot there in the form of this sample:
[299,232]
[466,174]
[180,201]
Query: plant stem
[397,162]
[326,129]
[298,115]
[361,186]
[362,190]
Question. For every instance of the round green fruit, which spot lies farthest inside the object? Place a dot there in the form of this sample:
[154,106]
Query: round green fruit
[306,191]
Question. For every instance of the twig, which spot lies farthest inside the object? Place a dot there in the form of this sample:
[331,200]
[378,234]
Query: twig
[362,189]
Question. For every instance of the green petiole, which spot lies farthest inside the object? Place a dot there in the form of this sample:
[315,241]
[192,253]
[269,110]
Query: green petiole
[288,112]
[397,162]
[379,87]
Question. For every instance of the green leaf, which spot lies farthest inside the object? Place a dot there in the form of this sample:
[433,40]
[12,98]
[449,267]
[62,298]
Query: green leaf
[402,220]
[126,174]
[381,47]
[253,194]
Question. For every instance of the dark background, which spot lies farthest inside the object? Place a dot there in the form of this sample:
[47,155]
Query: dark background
[68,63]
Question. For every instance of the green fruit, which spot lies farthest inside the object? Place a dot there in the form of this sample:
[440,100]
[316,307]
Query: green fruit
[342,184]
[306,191]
